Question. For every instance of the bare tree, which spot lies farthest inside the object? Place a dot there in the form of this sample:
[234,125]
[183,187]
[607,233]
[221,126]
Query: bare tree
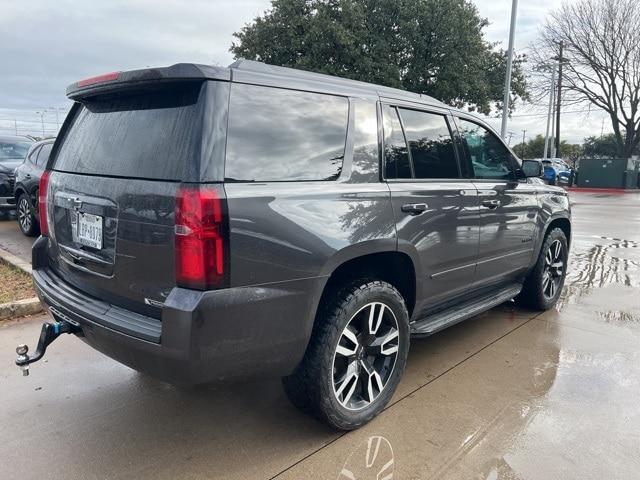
[601,60]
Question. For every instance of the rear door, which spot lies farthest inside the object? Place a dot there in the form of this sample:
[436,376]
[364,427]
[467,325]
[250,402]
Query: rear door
[508,205]
[112,190]
[436,209]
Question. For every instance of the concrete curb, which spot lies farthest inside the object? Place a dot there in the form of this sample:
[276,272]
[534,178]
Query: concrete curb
[16,261]
[19,308]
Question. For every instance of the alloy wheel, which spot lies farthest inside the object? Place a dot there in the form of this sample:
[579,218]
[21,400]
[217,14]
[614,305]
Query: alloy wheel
[365,356]
[24,214]
[553,270]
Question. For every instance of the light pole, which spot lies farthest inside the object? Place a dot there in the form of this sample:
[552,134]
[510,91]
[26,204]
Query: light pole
[57,109]
[42,121]
[552,94]
[507,77]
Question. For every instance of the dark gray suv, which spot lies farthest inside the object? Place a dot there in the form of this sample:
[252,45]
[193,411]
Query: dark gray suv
[202,223]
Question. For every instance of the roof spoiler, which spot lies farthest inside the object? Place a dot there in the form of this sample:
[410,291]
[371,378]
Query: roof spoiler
[123,80]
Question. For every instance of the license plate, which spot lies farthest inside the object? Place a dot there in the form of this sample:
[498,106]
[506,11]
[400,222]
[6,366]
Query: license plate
[86,229]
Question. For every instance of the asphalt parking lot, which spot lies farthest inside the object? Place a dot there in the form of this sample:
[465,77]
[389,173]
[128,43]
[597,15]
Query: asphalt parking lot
[509,394]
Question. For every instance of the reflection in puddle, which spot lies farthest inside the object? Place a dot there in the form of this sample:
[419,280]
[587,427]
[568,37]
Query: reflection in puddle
[372,459]
[599,263]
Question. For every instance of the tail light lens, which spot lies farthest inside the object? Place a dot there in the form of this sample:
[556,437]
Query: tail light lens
[201,237]
[42,203]
[106,77]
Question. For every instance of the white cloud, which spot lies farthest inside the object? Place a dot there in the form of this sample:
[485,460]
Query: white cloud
[47,46]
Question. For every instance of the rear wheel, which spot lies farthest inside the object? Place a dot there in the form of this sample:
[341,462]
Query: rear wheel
[355,358]
[27,220]
[544,283]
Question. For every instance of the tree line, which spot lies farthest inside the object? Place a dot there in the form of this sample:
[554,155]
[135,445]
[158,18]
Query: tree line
[438,48]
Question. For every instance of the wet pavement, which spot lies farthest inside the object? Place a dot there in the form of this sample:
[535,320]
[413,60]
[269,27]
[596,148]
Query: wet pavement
[12,239]
[509,394]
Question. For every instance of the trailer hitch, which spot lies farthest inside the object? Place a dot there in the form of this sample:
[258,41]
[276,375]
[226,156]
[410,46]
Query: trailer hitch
[49,332]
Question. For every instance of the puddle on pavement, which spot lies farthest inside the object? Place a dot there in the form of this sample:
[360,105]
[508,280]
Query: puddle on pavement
[604,274]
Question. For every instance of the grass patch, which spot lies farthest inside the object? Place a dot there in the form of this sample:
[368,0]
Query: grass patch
[14,284]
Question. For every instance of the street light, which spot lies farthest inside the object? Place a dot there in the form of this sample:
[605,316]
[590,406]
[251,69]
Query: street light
[507,77]
[57,109]
[42,120]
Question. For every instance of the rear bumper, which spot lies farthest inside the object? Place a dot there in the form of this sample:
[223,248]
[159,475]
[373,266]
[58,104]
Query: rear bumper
[202,336]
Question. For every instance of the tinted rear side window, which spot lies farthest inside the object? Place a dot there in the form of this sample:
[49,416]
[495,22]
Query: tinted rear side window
[43,155]
[283,135]
[430,144]
[147,134]
[395,147]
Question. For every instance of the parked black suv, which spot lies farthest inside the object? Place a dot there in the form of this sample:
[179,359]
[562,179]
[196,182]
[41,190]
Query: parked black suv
[27,182]
[202,223]
[13,149]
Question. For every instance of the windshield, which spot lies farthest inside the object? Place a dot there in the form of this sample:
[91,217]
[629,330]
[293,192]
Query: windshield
[13,150]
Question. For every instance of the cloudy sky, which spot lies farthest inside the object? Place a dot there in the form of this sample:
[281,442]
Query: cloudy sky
[45,45]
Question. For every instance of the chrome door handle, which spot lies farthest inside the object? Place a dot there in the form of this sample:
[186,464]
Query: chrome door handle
[491,204]
[414,208]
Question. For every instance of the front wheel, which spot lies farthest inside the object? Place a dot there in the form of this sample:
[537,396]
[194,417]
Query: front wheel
[355,358]
[27,221]
[544,283]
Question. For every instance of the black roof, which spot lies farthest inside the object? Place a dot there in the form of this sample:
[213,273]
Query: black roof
[249,71]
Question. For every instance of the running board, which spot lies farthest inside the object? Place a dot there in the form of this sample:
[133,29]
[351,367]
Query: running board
[445,318]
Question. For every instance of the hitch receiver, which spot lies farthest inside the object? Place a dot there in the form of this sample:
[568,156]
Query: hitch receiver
[49,332]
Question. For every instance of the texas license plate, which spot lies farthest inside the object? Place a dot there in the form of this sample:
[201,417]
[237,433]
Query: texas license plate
[87,229]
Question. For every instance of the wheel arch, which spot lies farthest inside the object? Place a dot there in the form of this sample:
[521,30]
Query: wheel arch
[379,259]
[557,221]
[19,190]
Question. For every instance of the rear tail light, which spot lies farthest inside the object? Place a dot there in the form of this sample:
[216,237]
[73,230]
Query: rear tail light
[42,202]
[201,237]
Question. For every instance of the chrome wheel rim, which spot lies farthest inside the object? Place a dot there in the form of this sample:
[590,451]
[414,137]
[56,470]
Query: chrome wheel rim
[553,270]
[24,214]
[365,356]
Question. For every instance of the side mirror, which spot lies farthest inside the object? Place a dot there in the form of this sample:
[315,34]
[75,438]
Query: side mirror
[532,168]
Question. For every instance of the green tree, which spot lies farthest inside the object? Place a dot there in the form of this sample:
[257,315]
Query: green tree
[601,61]
[602,146]
[435,47]
[534,148]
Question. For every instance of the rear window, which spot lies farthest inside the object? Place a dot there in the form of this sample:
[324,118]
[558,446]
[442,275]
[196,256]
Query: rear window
[150,134]
[284,135]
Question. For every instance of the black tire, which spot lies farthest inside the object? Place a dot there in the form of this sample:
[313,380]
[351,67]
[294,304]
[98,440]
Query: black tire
[25,213]
[312,387]
[536,292]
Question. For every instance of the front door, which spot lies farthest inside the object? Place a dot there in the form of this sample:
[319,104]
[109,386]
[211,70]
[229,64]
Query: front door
[436,210]
[508,206]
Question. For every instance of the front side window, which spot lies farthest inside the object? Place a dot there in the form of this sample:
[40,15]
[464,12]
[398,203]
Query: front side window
[489,157]
[430,144]
[284,135]
[395,147]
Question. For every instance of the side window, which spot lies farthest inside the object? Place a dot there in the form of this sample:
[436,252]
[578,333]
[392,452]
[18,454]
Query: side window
[396,153]
[43,156]
[284,135]
[365,142]
[489,157]
[33,156]
[430,143]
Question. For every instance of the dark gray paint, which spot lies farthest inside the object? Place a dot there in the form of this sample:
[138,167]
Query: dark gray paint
[286,238]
